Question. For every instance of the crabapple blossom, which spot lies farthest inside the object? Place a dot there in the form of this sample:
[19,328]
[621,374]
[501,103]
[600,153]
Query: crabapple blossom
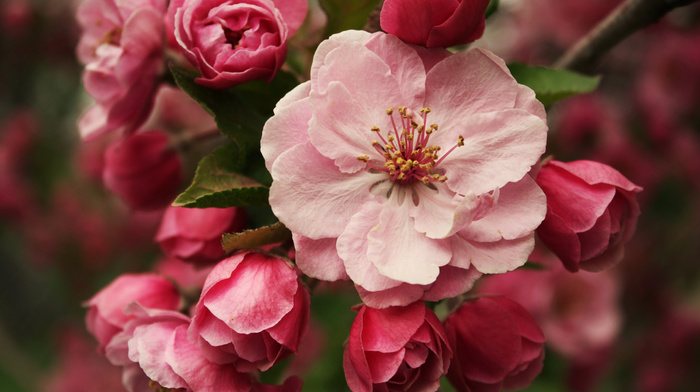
[235,41]
[434,23]
[106,317]
[143,170]
[194,234]
[406,169]
[396,349]
[497,345]
[122,49]
[591,213]
[252,313]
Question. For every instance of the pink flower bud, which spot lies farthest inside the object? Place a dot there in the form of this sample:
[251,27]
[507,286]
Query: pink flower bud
[143,170]
[396,348]
[235,41]
[497,345]
[194,234]
[253,312]
[105,316]
[591,213]
[435,23]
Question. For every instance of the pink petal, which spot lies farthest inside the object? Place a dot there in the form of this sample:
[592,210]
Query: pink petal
[451,282]
[597,173]
[352,247]
[440,213]
[491,257]
[402,253]
[256,306]
[520,209]
[309,189]
[500,147]
[319,258]
[294,13]
[383,366]
[287,128]
[388,330]
[401,295]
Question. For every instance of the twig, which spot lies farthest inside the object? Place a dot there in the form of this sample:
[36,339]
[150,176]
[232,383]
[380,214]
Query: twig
[629,17]
[372,24]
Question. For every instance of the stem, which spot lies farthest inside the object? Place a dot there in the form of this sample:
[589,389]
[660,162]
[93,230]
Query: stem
[629,17]
[373,24]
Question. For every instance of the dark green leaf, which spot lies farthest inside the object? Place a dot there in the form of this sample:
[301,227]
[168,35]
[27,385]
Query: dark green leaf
[551,85]
[491,8]
[216,183]
[347,14]
[256,237]
[240,112]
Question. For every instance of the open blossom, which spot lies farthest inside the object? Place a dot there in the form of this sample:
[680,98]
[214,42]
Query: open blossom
[591,213]
[405,169]
[497,345]
[252,313]
[106,315]
[122,49]
[436,23]
[235,41]
[396,349]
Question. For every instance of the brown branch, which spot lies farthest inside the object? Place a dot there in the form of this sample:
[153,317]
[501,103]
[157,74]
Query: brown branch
[629,17]
[372,24]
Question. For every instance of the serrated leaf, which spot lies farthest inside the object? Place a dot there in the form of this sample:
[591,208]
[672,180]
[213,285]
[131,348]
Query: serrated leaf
[347,14]
[552,85]
[216,183]
[256,237]
[240,112]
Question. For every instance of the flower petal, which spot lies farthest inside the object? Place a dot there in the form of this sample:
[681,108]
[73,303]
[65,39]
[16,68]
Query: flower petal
[491,257]
[319,258]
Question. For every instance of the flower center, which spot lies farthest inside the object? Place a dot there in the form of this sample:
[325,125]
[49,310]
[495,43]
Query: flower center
[408,155]
[234,37]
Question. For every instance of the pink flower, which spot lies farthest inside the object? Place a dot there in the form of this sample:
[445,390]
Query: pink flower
[122,48]
[143,170]
[578,313]
[404,231]
[591,213]
[396,349]
[154,346]
[252,312]
[105,317]
[235,41]
[497,345]
[435,23]
[194,234]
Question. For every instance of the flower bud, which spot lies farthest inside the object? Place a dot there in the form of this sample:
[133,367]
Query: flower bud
[143,170]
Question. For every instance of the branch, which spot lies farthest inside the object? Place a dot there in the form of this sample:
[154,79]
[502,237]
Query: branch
[372,24]
[629,17]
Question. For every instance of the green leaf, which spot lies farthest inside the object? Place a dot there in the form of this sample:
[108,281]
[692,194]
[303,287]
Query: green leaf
[491,8]
[256,237]
[347,14]
[240,112]
[552,85]
[216,183]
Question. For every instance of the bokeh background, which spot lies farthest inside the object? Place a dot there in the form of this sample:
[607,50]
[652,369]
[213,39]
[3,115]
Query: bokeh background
[63,236]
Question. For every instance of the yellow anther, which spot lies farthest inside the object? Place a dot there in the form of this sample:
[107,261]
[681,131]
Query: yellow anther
[443,179]
[400,161]
[429,131]
[391,138]
[390,111]
[420,128]
[401,176]
[409,137]
[388,147]
[414,124]
[425,110]
[460,143]
[425,180]
[374,129]
[363,158]
[375,143]
[436,176]
[434,127]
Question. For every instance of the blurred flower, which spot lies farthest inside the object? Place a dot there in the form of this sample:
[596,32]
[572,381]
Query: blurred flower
[591,213]
[396,349]
[253,312]
[106,313]
[381,205]
[143,170]
[122,49]
[497,345]
[440,23]
[579,313]
[194,234]
[235,41]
